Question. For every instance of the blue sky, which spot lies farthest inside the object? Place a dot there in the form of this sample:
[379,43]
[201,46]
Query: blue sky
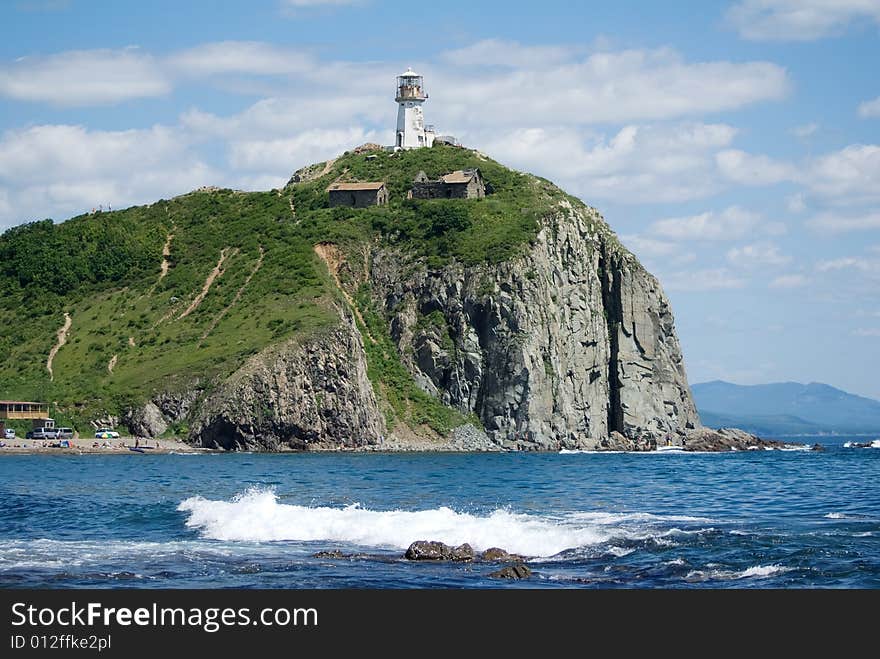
[734,146]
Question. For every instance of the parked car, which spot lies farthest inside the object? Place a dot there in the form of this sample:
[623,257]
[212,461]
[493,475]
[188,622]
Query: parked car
[42,433]
[63,433]
[106,433]
[9,433]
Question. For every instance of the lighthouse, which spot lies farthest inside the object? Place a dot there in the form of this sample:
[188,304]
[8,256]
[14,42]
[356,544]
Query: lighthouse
[412,132]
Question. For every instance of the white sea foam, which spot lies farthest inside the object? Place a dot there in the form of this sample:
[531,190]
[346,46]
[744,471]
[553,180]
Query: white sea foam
[874,444]
[835,516]
[754,572]
[761,571]
[257,516]
[67,554]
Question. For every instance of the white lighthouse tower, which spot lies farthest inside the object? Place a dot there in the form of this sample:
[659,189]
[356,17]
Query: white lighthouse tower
[412,132]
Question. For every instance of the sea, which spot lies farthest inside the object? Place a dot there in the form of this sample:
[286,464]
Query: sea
[749,519]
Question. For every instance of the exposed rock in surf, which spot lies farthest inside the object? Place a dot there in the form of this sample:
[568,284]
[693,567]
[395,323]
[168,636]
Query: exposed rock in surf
[333,553]
[498,555]
[432,550]
[725,439]
[518,571]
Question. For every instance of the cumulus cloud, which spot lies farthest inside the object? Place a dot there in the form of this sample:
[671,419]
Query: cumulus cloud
[646,247]
[242,57]
[833,223]
[756,255]
[749,169]
[307,147]
[804,131]
[85,78]
[850,175]
[637,163]
[608,87]
[870,109]
[61,169]
[711,279]
[799,20]
[857,263]
[789,281]
[730,224]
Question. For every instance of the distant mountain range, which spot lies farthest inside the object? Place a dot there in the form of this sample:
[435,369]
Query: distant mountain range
[785,408]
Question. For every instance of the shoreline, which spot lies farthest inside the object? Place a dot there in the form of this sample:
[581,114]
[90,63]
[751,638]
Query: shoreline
[82,446]
[176,447]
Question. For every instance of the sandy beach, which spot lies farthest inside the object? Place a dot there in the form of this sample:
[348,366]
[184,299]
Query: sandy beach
[79,446]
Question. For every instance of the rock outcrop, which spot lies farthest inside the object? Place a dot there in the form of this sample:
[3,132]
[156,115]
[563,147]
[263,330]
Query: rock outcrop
[433,550]
[298,396]
[512,572]
[555,349]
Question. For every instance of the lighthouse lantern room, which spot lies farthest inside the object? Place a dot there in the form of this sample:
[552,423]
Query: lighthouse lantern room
[412,132]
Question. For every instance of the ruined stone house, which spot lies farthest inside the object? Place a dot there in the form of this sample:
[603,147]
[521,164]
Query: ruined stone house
[460,184]
[358,195]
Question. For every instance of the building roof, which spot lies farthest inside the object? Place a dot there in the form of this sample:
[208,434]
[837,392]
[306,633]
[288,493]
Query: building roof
[459,176]
[409,73]
[378,185]
[22,402]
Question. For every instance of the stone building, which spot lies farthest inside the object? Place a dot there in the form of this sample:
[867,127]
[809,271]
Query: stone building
[460,184]
[358,195]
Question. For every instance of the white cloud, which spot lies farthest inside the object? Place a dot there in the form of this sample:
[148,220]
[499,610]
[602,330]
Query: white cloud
[756,255]
[799,20]
[307,147]
[509,55]
[241,57]
[870,109]
[747,169]
[867,331]
[789,281]
[863,265]
[84,78]
[805,131]
[60,170]
[730,224]
[603,87]
[833,223]
[636,164]
[711,279]
[850,175]
[796,203]
[646,247]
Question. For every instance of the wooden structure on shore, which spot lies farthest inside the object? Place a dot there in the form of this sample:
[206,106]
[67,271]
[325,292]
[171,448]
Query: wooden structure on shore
[16,410]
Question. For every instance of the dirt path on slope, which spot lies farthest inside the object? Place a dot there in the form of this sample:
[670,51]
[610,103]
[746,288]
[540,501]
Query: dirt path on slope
[112,363]
[163,267]
[332,257]
[216,272]
[62,339]
[237,297]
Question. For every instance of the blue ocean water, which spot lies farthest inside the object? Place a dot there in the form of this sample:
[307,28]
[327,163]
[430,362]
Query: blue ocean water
[756,519]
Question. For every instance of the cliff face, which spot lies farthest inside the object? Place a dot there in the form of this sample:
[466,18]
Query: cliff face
[571,345]
[299,396]
[555,349]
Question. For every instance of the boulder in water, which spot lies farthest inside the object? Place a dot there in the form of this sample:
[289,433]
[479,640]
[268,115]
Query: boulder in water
[518,571]
[433,550]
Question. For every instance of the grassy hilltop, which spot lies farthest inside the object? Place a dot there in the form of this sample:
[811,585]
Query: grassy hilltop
[240,273]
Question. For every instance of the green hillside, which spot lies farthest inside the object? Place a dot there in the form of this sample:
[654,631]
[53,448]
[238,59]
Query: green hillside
[158,332]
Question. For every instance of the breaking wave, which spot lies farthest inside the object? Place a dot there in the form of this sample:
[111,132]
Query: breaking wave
[257,516]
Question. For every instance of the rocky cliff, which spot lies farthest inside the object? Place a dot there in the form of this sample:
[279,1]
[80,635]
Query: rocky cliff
[554,349]
[270,321]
